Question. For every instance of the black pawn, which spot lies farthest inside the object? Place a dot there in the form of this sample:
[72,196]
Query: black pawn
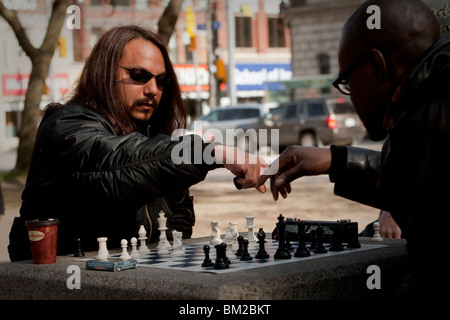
[221,256]
[262,253]
[207,262]
[240,240]
[320,247]
[302,251]
[245,255]
[77,248]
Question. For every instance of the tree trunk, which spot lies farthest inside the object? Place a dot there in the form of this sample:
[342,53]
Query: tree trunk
[40,61]
[166,24]
[31,114]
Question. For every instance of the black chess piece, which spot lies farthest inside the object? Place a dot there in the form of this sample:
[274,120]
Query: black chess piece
[240,240]
[262,253]
[77,248]
[336,239]
[221,256]
[282,251]
[320,247]
[353,240]
[207,262]
[302,251]
[313,244]
[245,255]
[225,258]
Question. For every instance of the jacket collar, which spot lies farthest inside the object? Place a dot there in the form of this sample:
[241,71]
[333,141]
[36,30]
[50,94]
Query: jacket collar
[432,61]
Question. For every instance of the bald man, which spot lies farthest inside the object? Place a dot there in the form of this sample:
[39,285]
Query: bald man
[398,78]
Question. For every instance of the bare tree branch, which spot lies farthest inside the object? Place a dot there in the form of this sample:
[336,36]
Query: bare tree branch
[11,18]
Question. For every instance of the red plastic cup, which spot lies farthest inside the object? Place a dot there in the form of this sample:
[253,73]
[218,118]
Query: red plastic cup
[43,235]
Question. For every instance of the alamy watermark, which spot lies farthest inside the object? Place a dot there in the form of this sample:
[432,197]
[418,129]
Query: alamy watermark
[374,21]
[262,143]
[74,20]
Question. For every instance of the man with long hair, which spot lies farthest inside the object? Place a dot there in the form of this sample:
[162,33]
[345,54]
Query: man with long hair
[102,162]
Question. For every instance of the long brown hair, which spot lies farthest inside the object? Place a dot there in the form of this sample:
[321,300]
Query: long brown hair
[98,86]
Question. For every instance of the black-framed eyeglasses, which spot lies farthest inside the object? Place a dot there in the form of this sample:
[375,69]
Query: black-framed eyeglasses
[143,76]
[342,83]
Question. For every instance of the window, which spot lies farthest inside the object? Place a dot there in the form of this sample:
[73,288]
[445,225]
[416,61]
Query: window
[344,107]
[315,109]
[324,64]
[243,32]
[291,111]
[213,116]
[276,33]
[248,113]
[121,2]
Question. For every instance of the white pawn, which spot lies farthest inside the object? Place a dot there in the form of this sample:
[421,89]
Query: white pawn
[376,232]
[103,253]
[125,255]
[134,251]
[143,249]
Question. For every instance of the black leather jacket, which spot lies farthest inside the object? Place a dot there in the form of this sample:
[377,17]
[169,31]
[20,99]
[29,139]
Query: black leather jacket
[411,176]
[97,183]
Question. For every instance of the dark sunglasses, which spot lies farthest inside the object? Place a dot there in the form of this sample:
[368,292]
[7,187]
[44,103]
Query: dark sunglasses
[342,83]
[143,76]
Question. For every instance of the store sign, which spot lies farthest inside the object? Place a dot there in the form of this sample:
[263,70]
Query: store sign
[189,78]
[17,84]
[247,76]
[21,4]
[261,76]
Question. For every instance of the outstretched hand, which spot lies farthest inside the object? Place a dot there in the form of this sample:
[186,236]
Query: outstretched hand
[245,166]
[293,163]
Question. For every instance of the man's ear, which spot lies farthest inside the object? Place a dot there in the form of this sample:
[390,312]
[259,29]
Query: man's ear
[378,62]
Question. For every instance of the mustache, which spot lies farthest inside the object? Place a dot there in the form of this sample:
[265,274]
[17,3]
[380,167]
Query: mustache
[145,101]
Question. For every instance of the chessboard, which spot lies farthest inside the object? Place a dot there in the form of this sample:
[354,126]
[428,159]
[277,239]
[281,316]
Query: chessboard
[194,256]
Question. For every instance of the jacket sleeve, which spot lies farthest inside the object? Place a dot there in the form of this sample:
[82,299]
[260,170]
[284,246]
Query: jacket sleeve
[85,157]
[355,172]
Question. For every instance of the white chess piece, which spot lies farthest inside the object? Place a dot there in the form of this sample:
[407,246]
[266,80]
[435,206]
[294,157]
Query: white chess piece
[235,234]
[134,251]
[252,241]
[103,253]
[376,232]
[163,246]
[178,248]
[215,232]
[125,255]
[229,237]
[143,249]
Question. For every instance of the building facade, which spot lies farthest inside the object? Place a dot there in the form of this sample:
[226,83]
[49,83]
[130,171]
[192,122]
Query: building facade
[315,27]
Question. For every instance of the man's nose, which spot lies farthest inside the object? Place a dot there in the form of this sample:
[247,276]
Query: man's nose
[151,88]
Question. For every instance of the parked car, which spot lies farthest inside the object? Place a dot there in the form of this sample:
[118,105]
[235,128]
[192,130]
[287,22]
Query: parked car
[221,122]
[313,122]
